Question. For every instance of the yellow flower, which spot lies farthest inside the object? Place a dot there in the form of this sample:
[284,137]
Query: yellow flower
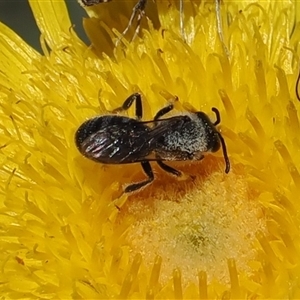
[223,235]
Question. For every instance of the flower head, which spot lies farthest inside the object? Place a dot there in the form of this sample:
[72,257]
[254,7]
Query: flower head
[65,230]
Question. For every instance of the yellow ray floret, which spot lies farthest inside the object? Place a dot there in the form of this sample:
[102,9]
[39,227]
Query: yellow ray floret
[65,230]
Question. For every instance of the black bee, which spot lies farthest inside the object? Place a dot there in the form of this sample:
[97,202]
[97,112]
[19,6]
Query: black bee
[114,139]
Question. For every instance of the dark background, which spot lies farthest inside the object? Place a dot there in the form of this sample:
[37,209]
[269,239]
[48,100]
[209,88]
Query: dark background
[18,16]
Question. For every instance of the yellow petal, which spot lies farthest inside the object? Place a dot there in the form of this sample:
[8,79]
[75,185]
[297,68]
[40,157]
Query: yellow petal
[64,231]
[52,19]
[16,58]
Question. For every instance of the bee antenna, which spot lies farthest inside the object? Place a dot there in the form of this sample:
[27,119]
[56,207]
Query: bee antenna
[224,149]
[227,162]
[218,120]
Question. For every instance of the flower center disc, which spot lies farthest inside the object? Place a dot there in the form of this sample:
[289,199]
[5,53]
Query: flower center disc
[195,226]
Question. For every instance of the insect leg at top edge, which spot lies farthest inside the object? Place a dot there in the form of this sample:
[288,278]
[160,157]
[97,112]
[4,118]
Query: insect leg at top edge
[224,149]
[138,12]
[128,102]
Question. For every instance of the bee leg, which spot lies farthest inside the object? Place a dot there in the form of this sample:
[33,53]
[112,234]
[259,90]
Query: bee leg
[139,11]
[128,102]
[179,174]
[169,169]
[163,111]
[136,186]
[218,120]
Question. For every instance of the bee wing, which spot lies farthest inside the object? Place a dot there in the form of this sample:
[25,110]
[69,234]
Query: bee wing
[142,150]
[164,126]
[118,144]
[94,145]
[127,140]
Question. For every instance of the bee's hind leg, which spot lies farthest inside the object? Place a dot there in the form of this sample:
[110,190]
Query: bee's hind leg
[179,174]
[136,186]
